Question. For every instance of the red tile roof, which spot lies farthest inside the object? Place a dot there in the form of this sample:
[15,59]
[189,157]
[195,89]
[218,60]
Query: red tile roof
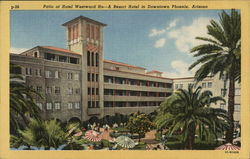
[123,64]
[154,71]
[138,74]
[59,49]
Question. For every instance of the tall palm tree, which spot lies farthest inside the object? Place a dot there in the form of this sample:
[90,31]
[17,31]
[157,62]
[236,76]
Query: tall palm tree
[187,110]
[22,105]
[221,55]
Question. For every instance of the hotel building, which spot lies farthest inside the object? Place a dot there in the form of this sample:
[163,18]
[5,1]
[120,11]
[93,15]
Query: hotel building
[78,82]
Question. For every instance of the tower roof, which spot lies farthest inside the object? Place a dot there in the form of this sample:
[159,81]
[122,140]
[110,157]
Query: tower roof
[84,18]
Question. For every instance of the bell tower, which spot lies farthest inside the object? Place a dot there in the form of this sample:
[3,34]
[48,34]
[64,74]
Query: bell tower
[85,36]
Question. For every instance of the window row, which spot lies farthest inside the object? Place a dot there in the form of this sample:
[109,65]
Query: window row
[93,32]
[60,58]
[50,74]
[93,77]
[131,104]
[57,105]
[135,93]
[92,59]
[57,90]
[236,107]
[73,32]
[236,92]
[119,80]
[203,85]
[93,104]
[93,91]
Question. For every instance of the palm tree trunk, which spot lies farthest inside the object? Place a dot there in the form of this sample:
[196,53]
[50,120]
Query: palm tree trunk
[191,137]
[229,133]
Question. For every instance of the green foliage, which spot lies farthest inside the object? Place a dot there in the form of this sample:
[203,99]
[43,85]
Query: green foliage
[22,105]
[221,55]
[48,134]
[140,124]
[187,110]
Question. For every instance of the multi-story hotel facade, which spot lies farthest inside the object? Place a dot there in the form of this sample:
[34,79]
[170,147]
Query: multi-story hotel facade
[79,83]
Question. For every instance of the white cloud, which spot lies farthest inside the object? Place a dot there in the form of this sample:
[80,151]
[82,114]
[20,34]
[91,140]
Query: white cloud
[17,50]
[172,24]
[180,70]
[160,43]
[185,35]
[155,32]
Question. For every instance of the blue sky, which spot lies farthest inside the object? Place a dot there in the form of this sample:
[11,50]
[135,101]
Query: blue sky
[156,40]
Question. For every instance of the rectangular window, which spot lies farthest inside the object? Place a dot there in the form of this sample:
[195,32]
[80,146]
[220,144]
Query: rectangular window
[89,77]
[176,86]
[237,107]
[57,74]
[48,90]
[97,33]
[223,92]
[57,106]
[39,89]
[40,106]
[88,58]
[57,90]
[96,77]
[93,91]
[70,105]
[93,77]
[209,84]
[89,104]
[97,60]
[76,76]
[48,74]
[69,75]
[97,91]
[70,91]
[92,32]
[88,30]
[97,104]
[237,91]
[77,105]
[48,106]
[77,90]
[89,91]
[222,106]
[203,85]
[38,72]
[28,71]
[92,59]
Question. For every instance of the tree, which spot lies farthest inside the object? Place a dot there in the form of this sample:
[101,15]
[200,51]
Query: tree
[221,55]
[48,134]
[140,124]
[22,105]
[187,110]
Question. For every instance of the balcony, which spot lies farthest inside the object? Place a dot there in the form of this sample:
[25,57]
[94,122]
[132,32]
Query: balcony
[135,87]
[132,98]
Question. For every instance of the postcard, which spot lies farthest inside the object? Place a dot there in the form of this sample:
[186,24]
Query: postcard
[124,79]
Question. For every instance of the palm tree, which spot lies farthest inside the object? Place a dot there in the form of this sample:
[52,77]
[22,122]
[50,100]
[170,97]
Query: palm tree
[187,110]
[49,135]
[221,55]
[22,105]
